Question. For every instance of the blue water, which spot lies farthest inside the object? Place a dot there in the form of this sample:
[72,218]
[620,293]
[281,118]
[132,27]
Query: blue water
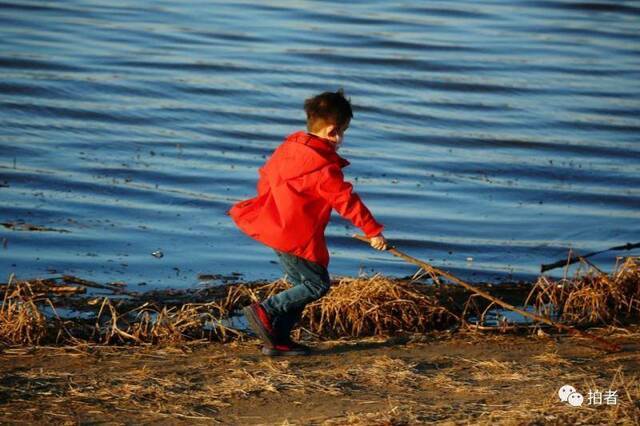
[489,136]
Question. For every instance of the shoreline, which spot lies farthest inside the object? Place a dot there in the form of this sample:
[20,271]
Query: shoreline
[72,310]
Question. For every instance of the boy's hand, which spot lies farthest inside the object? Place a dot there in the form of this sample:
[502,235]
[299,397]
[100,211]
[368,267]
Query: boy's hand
[378,242]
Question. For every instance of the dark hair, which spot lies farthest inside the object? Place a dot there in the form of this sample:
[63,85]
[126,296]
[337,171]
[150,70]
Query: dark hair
[327,108]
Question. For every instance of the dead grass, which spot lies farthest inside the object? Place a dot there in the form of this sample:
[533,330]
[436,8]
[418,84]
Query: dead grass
[503,380]
[163,325]
[271,376]
[354,307]
[21,321]
[395,414]
[496,370]
[382,372]
[359,307]
[171,395]
[551,359]
[592,297]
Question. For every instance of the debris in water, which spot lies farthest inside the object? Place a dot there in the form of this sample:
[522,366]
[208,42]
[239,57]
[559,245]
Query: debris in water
[22,226]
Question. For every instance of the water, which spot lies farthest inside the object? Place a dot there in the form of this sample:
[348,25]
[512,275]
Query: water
[499,131]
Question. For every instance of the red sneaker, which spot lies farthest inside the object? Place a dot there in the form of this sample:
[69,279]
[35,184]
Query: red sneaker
[260,323]
[286,349]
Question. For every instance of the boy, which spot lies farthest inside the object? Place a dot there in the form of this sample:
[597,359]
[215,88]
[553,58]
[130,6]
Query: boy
[297,188]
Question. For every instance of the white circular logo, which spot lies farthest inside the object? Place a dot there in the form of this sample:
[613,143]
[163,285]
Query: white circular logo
[565,391]
[575,399]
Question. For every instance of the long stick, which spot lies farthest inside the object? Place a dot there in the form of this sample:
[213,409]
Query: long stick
[428,268]
[573,259]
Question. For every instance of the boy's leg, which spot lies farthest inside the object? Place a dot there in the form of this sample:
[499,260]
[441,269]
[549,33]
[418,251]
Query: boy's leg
[284,323]
[310,282]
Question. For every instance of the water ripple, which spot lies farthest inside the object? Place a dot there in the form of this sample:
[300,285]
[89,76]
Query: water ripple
[498,131]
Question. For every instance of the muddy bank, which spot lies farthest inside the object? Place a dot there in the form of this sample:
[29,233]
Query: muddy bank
[446,378]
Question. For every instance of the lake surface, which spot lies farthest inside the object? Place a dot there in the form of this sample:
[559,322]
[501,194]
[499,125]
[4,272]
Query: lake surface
[488,137]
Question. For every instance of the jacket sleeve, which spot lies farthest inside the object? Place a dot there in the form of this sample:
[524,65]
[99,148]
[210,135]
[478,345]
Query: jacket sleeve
[336,191]
[263,183]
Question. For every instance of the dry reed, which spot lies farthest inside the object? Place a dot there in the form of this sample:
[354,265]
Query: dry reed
[21,321]
[592,296]
[353,307]
[359,307]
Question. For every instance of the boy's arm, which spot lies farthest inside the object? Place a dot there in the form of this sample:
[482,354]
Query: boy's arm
[339,193]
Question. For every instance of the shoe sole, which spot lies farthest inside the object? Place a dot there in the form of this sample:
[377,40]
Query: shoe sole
[256,325]
[274,352]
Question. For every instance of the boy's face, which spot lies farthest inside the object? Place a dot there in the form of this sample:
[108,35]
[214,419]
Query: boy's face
[333,133]
[336,134]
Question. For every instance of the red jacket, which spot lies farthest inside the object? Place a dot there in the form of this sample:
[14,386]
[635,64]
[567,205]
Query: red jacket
[298,187]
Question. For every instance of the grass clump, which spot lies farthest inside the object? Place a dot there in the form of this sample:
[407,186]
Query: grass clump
[358,307]
[21,320]
[592,296]
[164,325]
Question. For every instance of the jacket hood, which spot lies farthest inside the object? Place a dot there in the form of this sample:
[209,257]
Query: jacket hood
[300,154]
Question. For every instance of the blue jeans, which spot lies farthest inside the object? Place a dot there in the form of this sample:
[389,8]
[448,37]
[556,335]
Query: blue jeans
[310,282]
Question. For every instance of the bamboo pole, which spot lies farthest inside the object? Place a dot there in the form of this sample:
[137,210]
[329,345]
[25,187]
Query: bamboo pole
[612,347]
